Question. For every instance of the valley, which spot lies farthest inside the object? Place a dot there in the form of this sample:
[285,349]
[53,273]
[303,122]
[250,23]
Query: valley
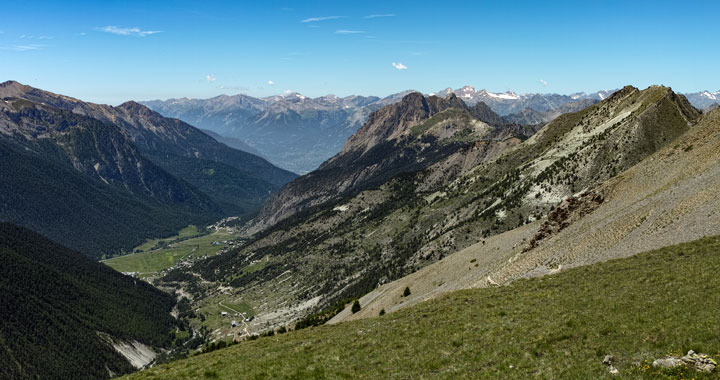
[156,255]
[472,187]
[359,190]
[117,175]
[430,197]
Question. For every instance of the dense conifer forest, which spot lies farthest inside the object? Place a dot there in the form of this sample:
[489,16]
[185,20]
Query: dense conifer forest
[55,303]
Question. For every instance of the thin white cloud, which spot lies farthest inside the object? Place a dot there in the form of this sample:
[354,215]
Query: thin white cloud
[22,47]
[316,19]
[381,15]
[271,83]
[543,82]
[210,77]
[399,66]
[127,31]
[234,88]
[345,31]
[26,37]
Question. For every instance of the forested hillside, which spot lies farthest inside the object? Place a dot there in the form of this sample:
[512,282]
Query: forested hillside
[81,183]
[55,302]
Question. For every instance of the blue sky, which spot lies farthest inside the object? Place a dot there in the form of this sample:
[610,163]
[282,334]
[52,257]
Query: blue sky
[112,51]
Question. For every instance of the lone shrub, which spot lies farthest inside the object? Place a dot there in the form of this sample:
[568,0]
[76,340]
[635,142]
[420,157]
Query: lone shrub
[406,292]
[382,312]
[355,307]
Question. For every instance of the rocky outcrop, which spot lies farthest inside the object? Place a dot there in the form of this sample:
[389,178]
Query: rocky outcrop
[609,361]
[698,362]
[564,214]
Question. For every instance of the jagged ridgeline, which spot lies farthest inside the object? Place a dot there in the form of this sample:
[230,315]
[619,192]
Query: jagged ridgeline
[102,179]
[59,310]
[423,179]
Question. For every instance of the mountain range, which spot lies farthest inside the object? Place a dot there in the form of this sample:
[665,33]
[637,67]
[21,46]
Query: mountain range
[299,133]
[426,178]
[291,130]
[82,173]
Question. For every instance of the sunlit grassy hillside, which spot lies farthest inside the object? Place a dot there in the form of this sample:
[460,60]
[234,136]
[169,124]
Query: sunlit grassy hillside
[554,327]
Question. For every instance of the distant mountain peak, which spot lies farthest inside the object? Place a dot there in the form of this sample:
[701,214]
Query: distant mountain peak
[711,95]
[12,88]
[395,120]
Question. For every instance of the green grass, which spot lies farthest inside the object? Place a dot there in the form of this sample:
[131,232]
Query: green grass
[149,262]
[211,308]
[239,306]
[555,327]
[437,118]
[150,243]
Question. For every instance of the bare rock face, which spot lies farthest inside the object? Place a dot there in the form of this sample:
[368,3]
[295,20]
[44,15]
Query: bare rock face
[564,214]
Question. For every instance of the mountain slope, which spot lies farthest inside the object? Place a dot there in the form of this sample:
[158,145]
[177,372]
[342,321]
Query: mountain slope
[703,99]
[232,142]
[557,327]
[531,116]
[57,305]
[81,182]
[393,140]
[359,241]
[182,150]
[666,199]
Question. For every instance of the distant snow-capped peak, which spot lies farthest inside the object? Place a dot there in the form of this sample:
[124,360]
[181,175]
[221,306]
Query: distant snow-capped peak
[510,95]
[710,95]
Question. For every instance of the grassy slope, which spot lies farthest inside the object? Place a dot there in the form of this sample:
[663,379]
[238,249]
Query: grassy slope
[150,262]
[558,327]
